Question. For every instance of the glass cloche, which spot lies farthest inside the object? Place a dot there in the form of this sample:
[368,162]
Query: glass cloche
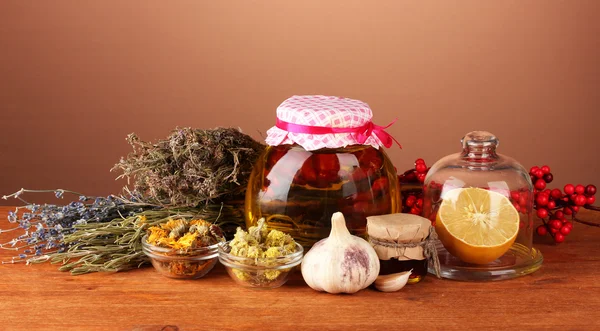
[481,204]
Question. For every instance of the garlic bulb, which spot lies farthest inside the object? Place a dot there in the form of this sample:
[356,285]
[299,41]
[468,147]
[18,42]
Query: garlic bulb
[340,263]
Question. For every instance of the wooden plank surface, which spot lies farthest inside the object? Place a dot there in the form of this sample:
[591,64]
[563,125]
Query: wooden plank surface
[563,294]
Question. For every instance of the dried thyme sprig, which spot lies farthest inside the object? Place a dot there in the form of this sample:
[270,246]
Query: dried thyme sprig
[191,167]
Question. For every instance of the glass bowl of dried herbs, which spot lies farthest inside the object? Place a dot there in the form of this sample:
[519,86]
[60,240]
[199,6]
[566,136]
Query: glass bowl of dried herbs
[260,257]
[260,272]
[183,249]
[182,264]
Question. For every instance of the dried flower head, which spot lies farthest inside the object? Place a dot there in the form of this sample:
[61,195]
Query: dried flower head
[183,235]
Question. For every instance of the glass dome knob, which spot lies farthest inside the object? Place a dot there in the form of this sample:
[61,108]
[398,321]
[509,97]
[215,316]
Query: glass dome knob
[479,139]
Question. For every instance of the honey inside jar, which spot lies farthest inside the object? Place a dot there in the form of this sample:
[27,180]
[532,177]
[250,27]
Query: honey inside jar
[297,190]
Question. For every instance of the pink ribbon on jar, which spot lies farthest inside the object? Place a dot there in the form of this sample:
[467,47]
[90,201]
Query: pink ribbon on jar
[362,132]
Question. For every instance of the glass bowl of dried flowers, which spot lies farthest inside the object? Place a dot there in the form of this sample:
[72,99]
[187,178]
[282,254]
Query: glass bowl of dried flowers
[183,249]
[260,258]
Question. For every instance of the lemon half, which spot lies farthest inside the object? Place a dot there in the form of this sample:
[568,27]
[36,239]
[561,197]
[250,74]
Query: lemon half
[476,225]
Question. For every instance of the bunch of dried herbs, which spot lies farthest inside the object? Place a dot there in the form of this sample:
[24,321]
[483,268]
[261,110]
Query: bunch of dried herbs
[60,233]
[193,174]
[191,167]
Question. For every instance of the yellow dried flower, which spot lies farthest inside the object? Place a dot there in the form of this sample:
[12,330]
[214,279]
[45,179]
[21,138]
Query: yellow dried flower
[180,234]
[273,252]
[156,233]
[187,241]
[254,252]
[276,238]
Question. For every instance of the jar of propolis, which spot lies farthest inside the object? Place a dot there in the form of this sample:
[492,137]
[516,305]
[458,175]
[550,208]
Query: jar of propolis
[324,155]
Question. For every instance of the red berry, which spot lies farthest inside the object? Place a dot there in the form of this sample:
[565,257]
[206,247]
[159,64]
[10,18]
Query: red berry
[559,237]
[540,184]
[591,200]
[542,213]
[553,230]
[541,200]
[556,224]
[517,207]
[419,161]
[569,189]
[514,195]
[575,208]
[545,169]
[523,201]
[551,204]
[567,211]
[421,177]
[579,189]
[580,200]
[539,173]
[556,193]
[565,230]
[548,178]
[419,203]
[569,225]
[541,230]
[560,215]
[410,201]
[421,168]
[533,170]
[590,190]
[415,211]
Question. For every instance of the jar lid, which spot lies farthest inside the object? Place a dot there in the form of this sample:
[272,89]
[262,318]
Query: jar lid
[318,121]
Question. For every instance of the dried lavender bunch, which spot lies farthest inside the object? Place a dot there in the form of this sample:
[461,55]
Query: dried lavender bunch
[191,167]
[47,228]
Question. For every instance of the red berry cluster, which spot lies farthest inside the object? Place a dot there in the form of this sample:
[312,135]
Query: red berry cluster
[412,199]
[418,173]
[552,206]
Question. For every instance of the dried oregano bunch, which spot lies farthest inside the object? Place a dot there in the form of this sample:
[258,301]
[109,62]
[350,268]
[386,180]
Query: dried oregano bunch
[191,167]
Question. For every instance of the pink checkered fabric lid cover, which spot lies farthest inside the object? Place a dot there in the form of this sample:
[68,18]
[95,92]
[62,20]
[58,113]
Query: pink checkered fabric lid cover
[322,111]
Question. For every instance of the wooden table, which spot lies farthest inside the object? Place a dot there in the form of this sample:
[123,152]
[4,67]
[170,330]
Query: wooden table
[563,294]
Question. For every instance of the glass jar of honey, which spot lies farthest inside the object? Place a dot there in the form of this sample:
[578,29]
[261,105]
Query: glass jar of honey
[324,156]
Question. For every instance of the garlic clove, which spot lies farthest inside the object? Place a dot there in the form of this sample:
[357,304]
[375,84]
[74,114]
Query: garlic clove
[392,282]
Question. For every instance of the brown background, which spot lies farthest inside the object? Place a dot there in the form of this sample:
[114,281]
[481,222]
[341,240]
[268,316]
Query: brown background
[77,76]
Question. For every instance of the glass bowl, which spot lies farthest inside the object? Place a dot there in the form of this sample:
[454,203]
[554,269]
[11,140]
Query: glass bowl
[189,264]
[259,272]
